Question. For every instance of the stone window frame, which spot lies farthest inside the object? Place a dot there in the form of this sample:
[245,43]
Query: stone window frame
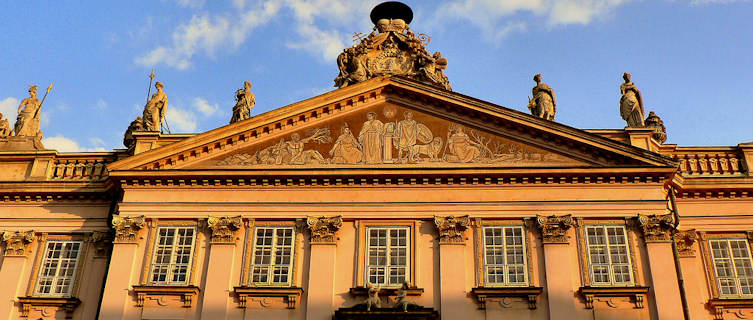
[44,238]
[154,226]
[631,233]
[296,278]
[411,274]
[528,237]
[708,261]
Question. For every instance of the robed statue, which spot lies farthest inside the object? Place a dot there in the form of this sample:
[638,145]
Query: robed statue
[4,127]
[155,109]
[244,101]
[631,103]
[27,122]
[544,102]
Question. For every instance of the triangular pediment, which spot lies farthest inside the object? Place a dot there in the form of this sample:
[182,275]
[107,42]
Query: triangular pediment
[392,122]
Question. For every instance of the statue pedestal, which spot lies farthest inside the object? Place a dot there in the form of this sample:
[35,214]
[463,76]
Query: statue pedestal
[22,143]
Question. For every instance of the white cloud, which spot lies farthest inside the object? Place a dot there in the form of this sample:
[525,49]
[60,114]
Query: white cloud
[702,2]
[9,108]
[190,3]
[63,144]
[101,104]
[203,106]
[181,120]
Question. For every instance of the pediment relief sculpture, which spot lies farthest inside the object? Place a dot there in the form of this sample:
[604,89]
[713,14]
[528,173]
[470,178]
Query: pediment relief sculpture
[391,135]
[391,49]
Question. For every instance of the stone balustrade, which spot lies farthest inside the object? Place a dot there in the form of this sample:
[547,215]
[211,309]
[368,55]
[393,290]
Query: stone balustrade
[710,162]
[79,168]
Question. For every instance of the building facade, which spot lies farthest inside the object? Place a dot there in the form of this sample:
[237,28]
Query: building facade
[392,197]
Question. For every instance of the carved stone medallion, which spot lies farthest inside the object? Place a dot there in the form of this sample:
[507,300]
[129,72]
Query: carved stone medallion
[554,228]
[685,240]
[323,229]
[127,228]
[451,228]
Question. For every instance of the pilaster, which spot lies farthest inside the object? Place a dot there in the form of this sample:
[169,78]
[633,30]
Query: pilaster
[321,286]
[657,231]
[122,270]
[554,234]
[223,235]
[451,232]
[13,266]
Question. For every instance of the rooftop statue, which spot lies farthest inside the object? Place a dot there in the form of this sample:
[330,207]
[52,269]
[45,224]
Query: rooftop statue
[4,127]
[27,122]
[391,49]
[244,101]
[631,103]
[155,109]
[544,102]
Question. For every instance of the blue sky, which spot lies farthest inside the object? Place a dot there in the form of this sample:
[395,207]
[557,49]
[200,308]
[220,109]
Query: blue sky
[692,59]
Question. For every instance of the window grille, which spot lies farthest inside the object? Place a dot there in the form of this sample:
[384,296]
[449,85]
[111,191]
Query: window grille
[504,256]
[58,268]
[173,254]
[272,261]
[387,252]
[732,264]
[608,256]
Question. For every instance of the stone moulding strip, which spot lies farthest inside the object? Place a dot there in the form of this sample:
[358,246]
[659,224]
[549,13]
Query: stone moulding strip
[530,294]
[187,293]
[637,294]
[718,306]
[290,294]
[66,304]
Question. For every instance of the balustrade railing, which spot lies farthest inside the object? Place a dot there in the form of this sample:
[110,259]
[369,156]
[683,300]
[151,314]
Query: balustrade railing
[710,163]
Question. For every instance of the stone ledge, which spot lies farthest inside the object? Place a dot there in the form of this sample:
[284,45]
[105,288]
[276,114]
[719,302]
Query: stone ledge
[187,293]
[718,305]
[67,304]
[637,293]
[360,313]
[291,294]
[529,293]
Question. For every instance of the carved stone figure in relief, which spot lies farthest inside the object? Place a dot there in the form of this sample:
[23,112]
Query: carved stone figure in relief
[27,122]
[295,148]
[370,138]
[155,109]
[346,148]
[631,103]
[544,102]
[460,147]
[408,133]
[4,127]
[244,101]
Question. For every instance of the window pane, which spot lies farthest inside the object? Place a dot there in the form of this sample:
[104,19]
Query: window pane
[504,255]
[58,268]
[608,255]
[173,252]
[272,256]
[387,255]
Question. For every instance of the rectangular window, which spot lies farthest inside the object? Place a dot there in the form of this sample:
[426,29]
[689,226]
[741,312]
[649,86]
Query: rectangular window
[173,254]
[732,264]
[387,255]
[58,268]
[504,256]
[608,255]
[272,261]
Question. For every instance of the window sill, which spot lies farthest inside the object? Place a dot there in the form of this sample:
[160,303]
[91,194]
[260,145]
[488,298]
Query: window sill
[384,292]
[290,294]
[187,293]
[637,294]
[529,293]
[67,304]
[719,304]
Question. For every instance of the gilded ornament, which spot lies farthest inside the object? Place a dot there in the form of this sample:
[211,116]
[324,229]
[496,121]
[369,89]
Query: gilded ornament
[16,242]
[554,228]
[224,228]
[127,228]
[451,228]
[323,229]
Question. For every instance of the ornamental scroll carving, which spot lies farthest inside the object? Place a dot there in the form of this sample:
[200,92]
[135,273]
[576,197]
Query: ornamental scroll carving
[127,228]
[16,242]
[656,227]
[451,228]
[224,228]
[323,229]
[685,240]
[554,228]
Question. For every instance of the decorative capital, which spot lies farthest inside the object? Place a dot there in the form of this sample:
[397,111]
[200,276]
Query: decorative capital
[451,228]
[685,240]
[323,229]
[126,228]
[224,228]
[16,242]
[656,228]
[554,228]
